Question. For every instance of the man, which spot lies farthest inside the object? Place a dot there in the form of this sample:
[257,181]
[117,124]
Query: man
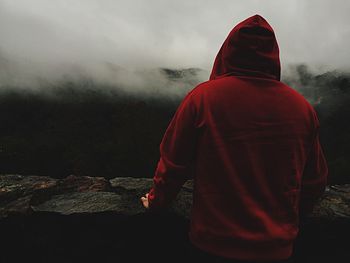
[251,144]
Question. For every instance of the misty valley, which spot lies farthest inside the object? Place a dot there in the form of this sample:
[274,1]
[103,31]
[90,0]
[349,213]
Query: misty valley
[82,128]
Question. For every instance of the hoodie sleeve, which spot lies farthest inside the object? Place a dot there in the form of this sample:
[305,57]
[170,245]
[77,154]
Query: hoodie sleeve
[315,175]
[177,154]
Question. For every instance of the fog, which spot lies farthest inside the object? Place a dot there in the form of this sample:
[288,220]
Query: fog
[125,42]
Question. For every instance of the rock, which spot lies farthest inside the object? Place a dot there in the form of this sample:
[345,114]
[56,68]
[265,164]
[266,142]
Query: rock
[79,218]
[334,204]
[83,184]
[130,184]
[85,202]
[19,206]
[18,194]
[16,186]
[74,194]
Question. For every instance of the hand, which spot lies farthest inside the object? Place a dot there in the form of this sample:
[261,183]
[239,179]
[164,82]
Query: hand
[144,200]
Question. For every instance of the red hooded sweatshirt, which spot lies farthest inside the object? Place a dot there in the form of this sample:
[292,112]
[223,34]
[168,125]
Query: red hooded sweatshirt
[251,144]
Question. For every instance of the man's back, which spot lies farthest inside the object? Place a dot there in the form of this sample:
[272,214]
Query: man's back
[256,136]
[251,143]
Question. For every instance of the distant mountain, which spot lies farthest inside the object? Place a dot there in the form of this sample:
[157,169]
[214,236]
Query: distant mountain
[176,74]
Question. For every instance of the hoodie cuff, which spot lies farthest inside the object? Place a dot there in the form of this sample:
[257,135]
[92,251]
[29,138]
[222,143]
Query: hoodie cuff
[155,201]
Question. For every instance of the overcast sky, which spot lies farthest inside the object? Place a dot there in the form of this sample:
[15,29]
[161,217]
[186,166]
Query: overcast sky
[44,37]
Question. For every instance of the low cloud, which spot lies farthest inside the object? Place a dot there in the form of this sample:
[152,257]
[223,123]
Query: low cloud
[127,43]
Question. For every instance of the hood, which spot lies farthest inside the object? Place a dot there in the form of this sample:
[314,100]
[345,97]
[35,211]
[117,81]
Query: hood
[250,49]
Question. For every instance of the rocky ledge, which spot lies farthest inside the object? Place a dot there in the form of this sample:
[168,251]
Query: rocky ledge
[84,218]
